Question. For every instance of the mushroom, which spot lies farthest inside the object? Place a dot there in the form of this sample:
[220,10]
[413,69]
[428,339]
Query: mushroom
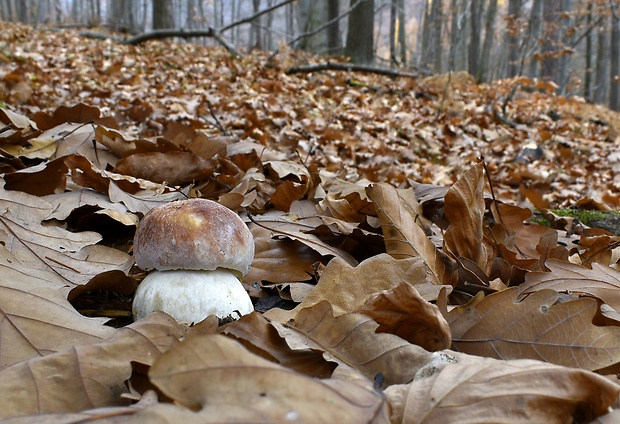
[198,250]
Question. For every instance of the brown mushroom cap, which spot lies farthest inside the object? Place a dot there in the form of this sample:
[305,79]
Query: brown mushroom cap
[194,234]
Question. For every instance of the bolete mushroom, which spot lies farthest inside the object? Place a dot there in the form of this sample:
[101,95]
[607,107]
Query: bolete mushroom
[198,250]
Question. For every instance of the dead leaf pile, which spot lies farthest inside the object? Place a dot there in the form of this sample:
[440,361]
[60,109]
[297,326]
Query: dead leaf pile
[397,277]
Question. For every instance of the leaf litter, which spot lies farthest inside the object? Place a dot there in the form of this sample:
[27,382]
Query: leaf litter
[399,275]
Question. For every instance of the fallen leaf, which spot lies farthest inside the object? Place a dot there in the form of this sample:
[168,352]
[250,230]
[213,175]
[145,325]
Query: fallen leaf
[498,326]
[484,390]
[87,376]
[347,288]
[196,371]
[403,236]
[601,281]
[403,312]
[352,340]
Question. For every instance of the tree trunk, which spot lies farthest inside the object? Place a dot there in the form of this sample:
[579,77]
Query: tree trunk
[437,13]
[602,71]
[513,38]
[487,46]
[614,92]
[587,83]
[402,42]
[475,34]
[550,63]
[163,17]
[536,17]
[311,14]
[360,33]
[333,30]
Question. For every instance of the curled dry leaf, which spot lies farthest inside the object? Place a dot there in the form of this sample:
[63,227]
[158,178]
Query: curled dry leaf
[227,382]
[464,209]
[403,235]
[403,312]
[352,340]
[261,338]
[522,391]
[601,281]
[347,288]
[499,326]
[87,376]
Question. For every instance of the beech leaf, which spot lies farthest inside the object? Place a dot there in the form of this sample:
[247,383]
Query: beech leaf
[403,235]
[220,376]
[484,390]
[87,376]
[499,326]
[352,340]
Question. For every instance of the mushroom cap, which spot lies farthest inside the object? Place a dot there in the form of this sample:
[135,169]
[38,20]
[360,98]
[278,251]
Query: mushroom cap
[191,296]
[193,234]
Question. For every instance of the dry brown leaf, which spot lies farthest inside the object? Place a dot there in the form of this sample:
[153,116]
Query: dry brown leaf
[404,237]
[87,376]
[352,340]
[36,318]
[261,338]
[218,375]
[174,167]
[295,227]
[484,390]
[403,312]
[498,326]
[279,260]
[601,281]
[464,209]
[347,288]
[74,257]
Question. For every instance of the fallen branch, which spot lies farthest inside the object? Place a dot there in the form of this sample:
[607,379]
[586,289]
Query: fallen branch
[350,67]
[181,33]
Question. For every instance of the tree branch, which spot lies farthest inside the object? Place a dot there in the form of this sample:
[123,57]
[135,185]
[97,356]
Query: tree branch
[333,66]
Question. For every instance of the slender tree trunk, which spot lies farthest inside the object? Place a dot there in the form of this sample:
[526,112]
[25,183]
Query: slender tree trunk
[587,83]
[602,71]
[437,41]
[162,14]
[475,33]
[333,30]
[536,17]
[487,46]
[360,33]
[550,63]
[614,92]
[402,43]
[393,27]
[513,37]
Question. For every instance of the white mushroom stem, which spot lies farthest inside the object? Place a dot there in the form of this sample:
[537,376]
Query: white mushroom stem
[191,296]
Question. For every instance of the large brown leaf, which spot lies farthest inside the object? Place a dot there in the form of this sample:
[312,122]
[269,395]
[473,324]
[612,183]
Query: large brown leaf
[227,382]
[35,317]
[86,376]
[347,288]
[499,326]
[601,281]
[73,257]
[484,390]
[403,235]
[352,340]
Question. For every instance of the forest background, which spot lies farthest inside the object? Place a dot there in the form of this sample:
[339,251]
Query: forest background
[574,43]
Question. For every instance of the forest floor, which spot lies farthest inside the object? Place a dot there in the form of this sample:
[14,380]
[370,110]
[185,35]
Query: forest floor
[399,274]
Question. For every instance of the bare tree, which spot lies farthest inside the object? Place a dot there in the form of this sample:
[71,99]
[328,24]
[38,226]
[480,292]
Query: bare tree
[614,92]
[487,45]
[311,14]
[513,29]
[360,45]
[163,17]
